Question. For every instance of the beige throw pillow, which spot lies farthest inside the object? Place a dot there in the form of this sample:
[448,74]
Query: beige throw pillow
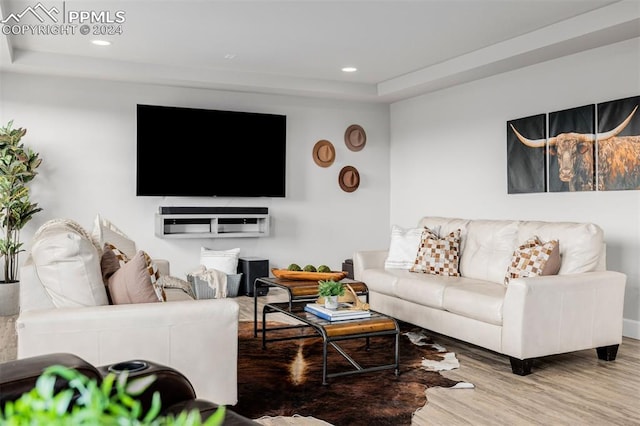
[106,232]
[534,258]
[438,256]
[68,264]
[136,282]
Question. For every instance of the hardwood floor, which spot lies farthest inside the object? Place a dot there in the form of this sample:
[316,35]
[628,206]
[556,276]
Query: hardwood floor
[569,389]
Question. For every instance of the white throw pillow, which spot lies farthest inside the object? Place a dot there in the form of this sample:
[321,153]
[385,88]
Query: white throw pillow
[68,265]
[221,260]
[403,248]
[106,232]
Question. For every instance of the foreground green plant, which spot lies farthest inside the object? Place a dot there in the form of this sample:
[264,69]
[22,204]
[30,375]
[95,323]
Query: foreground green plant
[85,402]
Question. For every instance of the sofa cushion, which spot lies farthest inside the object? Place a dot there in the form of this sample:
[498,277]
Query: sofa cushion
[136,282]
[488,249]
[476,299]
[221,260]
[438,255]
[383,280]
[403,247]
[67,264]
[581,244]
[106,232]
[446,225]
[425,289]
[534,258]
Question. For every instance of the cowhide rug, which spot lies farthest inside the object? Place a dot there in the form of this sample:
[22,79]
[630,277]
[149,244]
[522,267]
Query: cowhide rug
[286,378]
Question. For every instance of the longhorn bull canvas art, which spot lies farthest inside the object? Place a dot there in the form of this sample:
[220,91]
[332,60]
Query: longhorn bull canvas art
[573,143]
[619,144]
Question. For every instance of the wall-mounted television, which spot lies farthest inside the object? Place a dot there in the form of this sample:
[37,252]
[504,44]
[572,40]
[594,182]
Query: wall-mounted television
[195,152]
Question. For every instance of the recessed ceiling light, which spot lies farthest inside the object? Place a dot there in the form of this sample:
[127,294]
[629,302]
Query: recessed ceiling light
[101,42]
[349,69]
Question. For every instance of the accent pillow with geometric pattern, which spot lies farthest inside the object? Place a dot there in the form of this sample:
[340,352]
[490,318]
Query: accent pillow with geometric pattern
[111,260]
[534,258]
[438,255]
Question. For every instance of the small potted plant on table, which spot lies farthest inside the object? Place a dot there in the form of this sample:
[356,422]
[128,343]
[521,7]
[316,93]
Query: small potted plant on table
[330,290]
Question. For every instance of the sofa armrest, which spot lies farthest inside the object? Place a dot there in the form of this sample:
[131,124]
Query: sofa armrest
[555,314]
[368,259]
[199,338]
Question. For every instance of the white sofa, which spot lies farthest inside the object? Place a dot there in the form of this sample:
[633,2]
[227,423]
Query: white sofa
[579,308]
[64,308]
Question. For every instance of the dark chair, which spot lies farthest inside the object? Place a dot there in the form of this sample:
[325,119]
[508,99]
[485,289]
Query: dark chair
[176,392]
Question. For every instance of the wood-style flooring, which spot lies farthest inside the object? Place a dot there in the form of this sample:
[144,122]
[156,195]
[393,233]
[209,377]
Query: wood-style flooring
[573,389]
[570,389]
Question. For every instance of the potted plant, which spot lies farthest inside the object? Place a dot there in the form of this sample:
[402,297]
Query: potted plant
[17,168]
[84,401]
[330,290]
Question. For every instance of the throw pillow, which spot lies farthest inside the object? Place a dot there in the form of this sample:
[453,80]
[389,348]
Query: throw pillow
[221,260]
[67,264]
[136,282]
[403,247]
[106,232]
[111,260]
[534,258]
[438,256]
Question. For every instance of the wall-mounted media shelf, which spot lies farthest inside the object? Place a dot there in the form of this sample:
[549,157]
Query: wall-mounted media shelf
[212,222]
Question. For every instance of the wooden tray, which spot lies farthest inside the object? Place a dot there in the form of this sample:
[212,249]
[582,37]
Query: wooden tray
[308,276]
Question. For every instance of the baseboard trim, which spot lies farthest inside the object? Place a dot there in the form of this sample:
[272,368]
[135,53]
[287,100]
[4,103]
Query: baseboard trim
[631,328]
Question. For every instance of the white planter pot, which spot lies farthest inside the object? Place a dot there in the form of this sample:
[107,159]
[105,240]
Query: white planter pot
[9,298]
[331,302]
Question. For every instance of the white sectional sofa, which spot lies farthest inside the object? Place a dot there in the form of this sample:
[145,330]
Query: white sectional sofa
[578,308]
[64,308]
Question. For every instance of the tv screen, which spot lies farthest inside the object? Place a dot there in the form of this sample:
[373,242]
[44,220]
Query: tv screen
[209,153]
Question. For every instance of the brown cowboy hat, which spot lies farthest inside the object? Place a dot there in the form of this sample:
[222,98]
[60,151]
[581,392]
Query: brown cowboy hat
[324,153]
[355,137]
[349,179]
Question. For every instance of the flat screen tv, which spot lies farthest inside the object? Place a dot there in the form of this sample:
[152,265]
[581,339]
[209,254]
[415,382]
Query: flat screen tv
[193,152]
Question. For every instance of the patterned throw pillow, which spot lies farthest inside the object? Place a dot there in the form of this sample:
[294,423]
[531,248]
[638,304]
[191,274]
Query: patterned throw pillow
[111,260]
[438,256]
[534,258]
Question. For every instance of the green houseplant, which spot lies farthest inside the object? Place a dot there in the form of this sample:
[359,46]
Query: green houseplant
[84,401]
[330,290]
[17,168]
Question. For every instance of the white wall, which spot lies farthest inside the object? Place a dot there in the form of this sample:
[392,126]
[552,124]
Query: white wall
[448,153]
[85,132]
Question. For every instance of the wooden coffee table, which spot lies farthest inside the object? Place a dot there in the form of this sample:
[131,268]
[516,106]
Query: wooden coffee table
[332,332]
[298,291]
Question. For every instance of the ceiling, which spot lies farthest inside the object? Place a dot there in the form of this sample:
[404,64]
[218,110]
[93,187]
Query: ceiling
[401,48]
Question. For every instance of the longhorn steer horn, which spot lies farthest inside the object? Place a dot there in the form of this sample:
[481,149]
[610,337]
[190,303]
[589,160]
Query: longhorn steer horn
[582,137]
[612,133]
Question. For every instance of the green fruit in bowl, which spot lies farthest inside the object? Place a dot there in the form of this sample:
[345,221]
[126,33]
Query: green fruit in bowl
[294,267]
[324,268]
[310,268]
